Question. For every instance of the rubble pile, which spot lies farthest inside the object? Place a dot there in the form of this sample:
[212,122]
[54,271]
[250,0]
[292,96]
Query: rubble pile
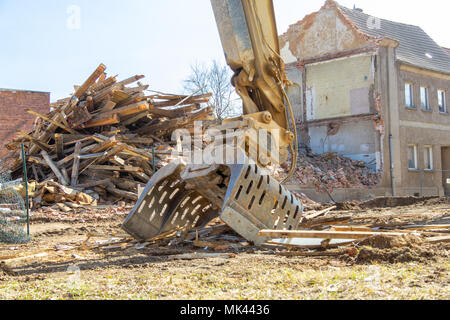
[330,171]
[100,144]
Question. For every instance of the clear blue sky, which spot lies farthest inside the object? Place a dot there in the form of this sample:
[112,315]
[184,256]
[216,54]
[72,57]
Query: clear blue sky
[157,38]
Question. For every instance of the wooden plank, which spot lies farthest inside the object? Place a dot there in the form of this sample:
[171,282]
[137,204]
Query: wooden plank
[94,183]
[134,119]
[134,98]
[90,103]
[320,213]
[184,101]
[71,131]
[428,227]
[90,81]
[116,168]
[54,168]
[70,157]
[170,125]
[351,228]
[173,113]
[76,164]
[136,140]
[59,146]
[105,157]
[135,90]
[74,138]
[91,156]
[103,84]
[65,174]
[35,173]
[41,145]
[130,80]
[121,193]
[127,110]
[126,184]
[326,222]
[108,91]
[107,106]
[276,234]
[438,239]
[141,176]
[102,121]
[80,116]
[118,96]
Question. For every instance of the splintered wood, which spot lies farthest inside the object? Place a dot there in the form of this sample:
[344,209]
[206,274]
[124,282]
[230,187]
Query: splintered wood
[101,139]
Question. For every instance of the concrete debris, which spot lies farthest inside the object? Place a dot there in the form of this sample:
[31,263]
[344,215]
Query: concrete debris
[331,171]
[105,141]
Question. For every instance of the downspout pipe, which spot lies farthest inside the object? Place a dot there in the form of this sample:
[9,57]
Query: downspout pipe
[391,160]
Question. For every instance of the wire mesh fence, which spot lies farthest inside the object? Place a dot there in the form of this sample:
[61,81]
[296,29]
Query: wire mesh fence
[13,216]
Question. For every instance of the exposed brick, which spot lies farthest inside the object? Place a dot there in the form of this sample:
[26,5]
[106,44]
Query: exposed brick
[13,115]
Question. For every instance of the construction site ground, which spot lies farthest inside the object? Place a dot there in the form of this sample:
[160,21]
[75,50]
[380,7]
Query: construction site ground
[70,258]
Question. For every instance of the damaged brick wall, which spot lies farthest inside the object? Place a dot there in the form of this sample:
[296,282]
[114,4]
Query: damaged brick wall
[13,115]
[321,33]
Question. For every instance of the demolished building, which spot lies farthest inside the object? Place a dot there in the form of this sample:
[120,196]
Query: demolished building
[371,90]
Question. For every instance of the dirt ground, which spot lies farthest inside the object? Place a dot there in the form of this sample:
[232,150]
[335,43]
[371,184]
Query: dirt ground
[84,254]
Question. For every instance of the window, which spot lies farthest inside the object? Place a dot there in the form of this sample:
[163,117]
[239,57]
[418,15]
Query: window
[424,98]
[442,102]
[428,156]
[409,95]
[412,157]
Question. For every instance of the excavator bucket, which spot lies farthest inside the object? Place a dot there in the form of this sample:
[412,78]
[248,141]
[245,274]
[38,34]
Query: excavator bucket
[167,205]
[184,197]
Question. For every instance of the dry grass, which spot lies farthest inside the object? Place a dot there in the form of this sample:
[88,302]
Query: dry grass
[249,276]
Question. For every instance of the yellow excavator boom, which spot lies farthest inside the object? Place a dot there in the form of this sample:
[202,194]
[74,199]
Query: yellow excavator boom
[183,195]
[249,38]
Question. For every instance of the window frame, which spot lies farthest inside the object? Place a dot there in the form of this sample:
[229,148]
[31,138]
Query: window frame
[444,100]
[427,107]
[414,146]
[428,151]
[411,95]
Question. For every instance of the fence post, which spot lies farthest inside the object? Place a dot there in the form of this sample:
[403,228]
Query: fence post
[26,188]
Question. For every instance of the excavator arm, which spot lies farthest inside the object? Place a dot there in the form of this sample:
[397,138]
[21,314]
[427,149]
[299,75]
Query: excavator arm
[183,196]
[250,42]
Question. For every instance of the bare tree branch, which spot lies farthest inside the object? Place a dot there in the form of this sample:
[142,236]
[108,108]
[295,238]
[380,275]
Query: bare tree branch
[215,79]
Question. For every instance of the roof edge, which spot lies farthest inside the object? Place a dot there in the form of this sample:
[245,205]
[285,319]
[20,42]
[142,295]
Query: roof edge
[22,90]
[409,64]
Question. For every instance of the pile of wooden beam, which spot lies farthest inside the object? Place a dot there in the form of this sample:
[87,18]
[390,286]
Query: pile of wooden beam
[106,137]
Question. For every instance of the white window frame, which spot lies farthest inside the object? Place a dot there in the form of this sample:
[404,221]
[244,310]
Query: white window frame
[411,95]
[428,151]
[444,100]
[415,157]
[427,106]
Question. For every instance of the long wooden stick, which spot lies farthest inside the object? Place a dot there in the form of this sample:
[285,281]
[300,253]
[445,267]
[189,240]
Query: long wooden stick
[54,168]
[324,234]
[76,164]
[71,131]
